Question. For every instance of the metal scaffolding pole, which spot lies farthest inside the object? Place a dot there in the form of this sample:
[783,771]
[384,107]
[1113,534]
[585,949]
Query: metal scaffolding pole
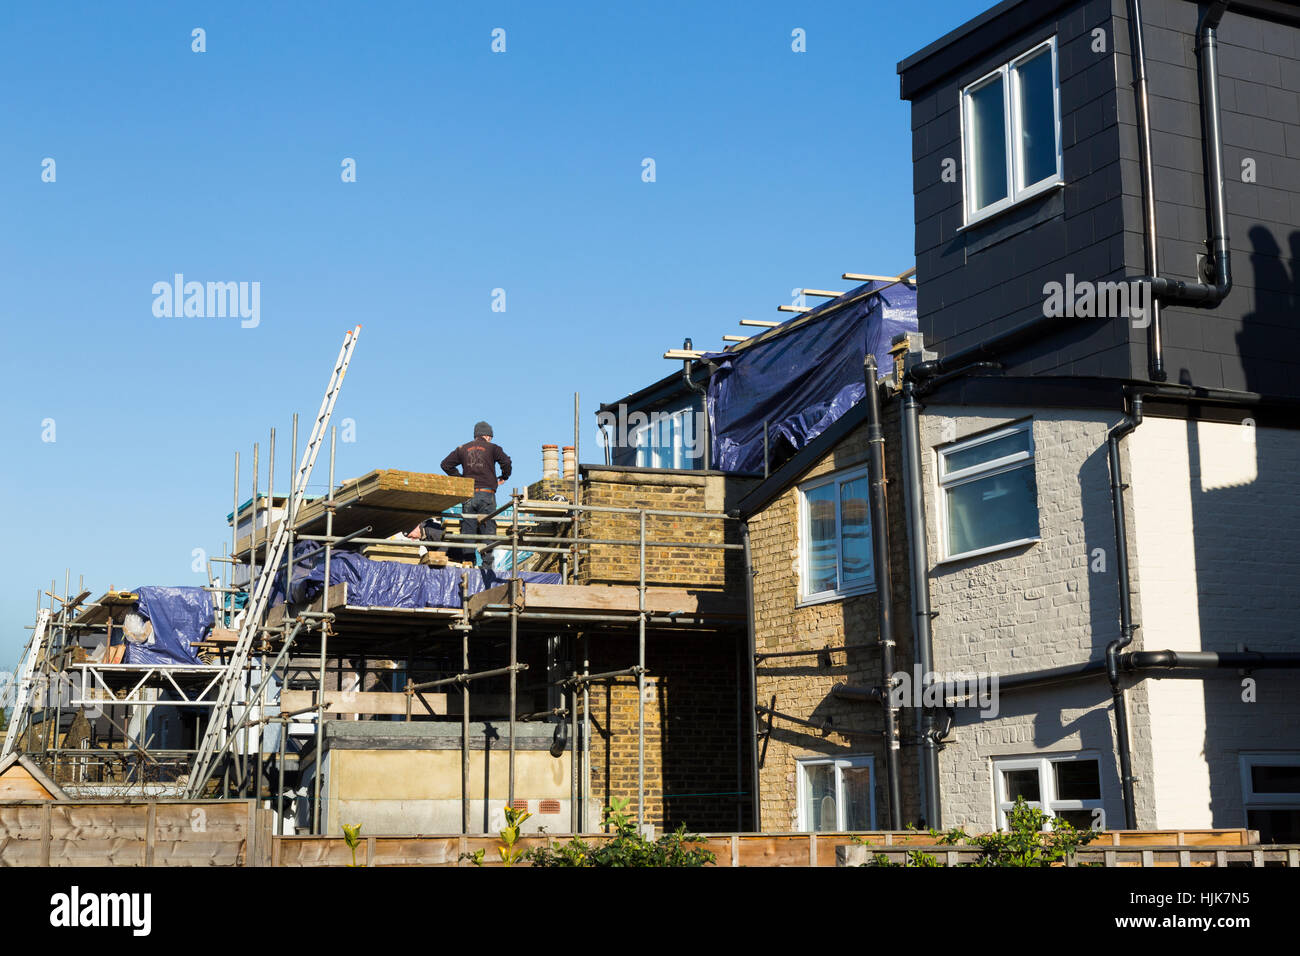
[318,825]
[640,687]
[234,536]
[573,564]
[570,696]
[515,598]
[586,731]
[464,733]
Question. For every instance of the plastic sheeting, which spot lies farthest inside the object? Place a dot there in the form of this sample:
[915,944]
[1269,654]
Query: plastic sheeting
[802,381]
[179,615]
[387,583]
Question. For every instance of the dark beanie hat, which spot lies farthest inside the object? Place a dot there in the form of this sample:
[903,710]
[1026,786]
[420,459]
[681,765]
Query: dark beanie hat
[482,429]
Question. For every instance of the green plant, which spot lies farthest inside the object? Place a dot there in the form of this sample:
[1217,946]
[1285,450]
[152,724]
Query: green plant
[352,836]
[1028,841]
[628,847]
[510,853]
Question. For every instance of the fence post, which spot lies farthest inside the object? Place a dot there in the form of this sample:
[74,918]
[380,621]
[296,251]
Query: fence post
[46,819]
[150,832]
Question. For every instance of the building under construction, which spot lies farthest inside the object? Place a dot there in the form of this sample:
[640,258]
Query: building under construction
[416,692]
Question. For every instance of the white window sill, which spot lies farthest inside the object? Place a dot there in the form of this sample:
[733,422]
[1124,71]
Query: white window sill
[991,549]
[1005,206]
[829,596]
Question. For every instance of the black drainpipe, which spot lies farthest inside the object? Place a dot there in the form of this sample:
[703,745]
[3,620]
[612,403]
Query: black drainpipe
[1218,268]
[753,678]
[884,588]
[1127,627]
[919,565]
[687,366]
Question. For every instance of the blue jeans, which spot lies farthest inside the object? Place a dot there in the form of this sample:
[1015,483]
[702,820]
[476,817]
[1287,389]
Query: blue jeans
[483,502]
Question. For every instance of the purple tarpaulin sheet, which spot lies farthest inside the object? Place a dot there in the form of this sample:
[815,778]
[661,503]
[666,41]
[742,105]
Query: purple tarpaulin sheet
[800,383]
[179,615]
[388,583]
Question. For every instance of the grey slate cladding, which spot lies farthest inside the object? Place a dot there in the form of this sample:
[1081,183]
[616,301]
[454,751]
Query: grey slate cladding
[978,282]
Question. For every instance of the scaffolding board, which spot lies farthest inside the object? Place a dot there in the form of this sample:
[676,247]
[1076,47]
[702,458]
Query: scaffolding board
[386,500]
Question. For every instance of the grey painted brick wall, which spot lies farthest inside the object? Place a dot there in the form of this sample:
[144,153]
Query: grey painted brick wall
[1033,607]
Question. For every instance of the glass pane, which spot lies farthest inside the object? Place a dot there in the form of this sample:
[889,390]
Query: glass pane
[641,442]
[1077,780]
[986,451]
[856,782]
[821,540]
[1275,826]
[1079,819]
[1275,779]
[819,797]
[993,510]
[988,153]
[1021,783]
[1037,119]
[664,437]
[855,529]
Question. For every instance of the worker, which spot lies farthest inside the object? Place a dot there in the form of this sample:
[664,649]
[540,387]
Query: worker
[478,459]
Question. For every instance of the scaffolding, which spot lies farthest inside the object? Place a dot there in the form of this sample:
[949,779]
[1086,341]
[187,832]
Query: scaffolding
[249,708]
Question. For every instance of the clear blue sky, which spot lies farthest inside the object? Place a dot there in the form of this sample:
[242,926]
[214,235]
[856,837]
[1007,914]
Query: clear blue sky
[475,171]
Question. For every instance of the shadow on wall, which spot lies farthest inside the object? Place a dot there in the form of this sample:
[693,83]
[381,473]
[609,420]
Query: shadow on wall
[1246,534]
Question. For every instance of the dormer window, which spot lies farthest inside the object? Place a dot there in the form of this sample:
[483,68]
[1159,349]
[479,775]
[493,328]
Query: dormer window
[1011,133]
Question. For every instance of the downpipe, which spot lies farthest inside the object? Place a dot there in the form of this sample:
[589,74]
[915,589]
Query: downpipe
[753,680]
[1117,487]
[919,571]
[1218,267]
[884,588]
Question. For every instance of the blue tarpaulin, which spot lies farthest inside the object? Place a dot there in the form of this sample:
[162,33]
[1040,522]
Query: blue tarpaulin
[387,583]
[179,615]
[802,381]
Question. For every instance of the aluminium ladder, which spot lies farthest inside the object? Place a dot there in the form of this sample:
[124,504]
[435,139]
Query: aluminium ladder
[211,748]
[18,716]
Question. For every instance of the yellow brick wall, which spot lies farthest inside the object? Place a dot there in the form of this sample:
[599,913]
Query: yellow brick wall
[801,686]
[620,564]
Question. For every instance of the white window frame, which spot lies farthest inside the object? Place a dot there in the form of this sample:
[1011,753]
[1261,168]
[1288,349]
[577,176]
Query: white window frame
[642,435]
[1266,801]
[1017,192]
[984,470]
[840,590]
[1049,804]
[840,763]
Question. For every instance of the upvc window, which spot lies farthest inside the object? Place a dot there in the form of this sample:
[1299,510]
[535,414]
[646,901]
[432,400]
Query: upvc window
[665,442]
[988,495]
[1067,786]
[835,536]
[1270,788]
[836,794]
[1011,133]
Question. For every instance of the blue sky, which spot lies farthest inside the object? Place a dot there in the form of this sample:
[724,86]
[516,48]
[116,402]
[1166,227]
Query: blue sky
[475,171]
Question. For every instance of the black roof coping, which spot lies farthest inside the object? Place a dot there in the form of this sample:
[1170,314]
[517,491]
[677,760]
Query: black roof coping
[998,24]
[986,32]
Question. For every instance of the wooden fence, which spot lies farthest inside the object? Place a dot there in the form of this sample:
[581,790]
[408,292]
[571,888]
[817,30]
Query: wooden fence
[237,833]
[152,833]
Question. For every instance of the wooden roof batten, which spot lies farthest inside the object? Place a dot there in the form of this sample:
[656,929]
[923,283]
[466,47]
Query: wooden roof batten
[805,313]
